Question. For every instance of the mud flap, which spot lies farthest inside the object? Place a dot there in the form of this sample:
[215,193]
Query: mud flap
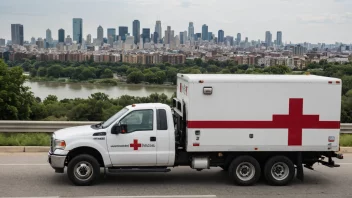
[300,174]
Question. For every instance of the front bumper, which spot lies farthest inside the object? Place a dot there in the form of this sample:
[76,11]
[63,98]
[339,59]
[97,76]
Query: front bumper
[56,161]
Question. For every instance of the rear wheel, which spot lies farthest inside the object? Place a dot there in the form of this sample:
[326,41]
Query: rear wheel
[83,170]
[244,170]
[279,171]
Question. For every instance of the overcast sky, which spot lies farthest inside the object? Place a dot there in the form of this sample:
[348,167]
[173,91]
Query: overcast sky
[312,21]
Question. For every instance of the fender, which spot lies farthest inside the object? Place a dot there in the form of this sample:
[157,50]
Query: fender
[99,145]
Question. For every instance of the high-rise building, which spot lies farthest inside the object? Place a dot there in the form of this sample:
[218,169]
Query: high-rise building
[49,38]
[100,34]
[17,34]
[89,39]
[210,36]
[221,35]
[40,43]
[238,39]
[205,32]
[168,35]
[136,31]
[33,41]
[158,30]
[61,35]
[68,40]
[2,42]
[111,36]
[146,35]
[123,31]
[299,50]
[197,36]
[182,41]
[268,38]
[156,37]
[77,29]
[190,31]
[279,38]
[229,40]
[185,36]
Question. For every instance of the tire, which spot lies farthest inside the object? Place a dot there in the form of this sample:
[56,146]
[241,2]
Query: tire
[84,166]
[239,167]
[285,171]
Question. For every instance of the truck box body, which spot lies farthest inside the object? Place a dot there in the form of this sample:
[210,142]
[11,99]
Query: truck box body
[260,112]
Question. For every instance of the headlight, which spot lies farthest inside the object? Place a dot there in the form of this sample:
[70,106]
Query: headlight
[59,144]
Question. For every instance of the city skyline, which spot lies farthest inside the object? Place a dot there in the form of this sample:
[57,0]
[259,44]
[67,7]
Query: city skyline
[298,20]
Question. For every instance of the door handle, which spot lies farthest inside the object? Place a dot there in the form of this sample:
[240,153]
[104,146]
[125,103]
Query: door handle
[152,139]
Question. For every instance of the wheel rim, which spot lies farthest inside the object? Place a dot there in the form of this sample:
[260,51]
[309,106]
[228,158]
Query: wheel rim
[83,171]
[280,171]
[245,171]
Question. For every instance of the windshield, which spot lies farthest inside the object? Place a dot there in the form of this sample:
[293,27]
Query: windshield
[114,117]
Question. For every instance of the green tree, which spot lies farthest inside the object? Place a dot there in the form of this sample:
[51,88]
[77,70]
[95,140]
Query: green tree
[135,77]
[50,99]
[160,77]
[107,74]
[41,72]
[15,98]
[54,71]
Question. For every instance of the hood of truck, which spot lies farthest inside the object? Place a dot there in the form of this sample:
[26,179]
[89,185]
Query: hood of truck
[78,131]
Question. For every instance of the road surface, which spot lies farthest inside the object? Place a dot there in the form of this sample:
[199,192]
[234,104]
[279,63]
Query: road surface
[29,175]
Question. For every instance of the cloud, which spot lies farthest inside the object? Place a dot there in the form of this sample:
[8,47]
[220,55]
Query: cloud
[326,19]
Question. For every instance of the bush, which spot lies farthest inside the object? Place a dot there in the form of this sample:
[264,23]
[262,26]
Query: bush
[346,140]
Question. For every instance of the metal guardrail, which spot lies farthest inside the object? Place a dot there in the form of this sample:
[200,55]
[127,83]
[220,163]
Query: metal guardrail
[15,126]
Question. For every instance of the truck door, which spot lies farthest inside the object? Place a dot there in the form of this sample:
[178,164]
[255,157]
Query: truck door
[137,145]
[163,138]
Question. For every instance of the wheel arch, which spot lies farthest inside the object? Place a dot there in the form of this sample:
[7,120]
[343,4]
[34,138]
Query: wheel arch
[85,150]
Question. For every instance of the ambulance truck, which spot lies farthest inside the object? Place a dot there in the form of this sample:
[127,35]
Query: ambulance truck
[249,125]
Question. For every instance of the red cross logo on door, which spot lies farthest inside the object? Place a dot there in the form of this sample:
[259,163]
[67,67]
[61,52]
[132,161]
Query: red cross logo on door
[295,122]
[135,145]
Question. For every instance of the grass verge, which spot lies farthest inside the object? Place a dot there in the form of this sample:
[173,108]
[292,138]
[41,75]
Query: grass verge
[43,139]
[24,139]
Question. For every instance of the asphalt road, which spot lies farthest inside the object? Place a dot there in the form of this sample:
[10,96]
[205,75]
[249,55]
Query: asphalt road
[29,175]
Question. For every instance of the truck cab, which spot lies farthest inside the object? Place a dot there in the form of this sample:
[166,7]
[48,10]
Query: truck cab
[139,135]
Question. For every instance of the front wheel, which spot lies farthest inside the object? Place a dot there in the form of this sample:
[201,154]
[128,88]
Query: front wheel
[83,170]
[245,170]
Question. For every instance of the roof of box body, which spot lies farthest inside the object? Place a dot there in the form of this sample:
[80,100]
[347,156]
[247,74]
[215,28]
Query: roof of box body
[219,78]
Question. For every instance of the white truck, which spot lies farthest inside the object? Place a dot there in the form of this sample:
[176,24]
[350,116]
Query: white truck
[249,125]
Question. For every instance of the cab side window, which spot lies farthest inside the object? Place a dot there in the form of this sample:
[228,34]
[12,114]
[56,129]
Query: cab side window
[140,120]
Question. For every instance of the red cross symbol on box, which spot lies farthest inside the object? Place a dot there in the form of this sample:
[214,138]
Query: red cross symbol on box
[295,122]
[135,145]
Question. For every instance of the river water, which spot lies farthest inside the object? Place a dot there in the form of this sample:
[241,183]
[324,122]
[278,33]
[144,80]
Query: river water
[84,90]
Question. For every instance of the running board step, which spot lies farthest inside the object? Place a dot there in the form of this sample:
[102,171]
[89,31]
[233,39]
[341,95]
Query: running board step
[128,170]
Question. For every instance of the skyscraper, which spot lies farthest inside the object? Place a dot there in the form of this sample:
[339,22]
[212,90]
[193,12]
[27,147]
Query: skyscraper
[49,38]
[185,36]
[89,39]
[158,30]
[268,38]
[100,33]
[168,35]
[156,38]
[136,31]
[204,32]
[77,29]
[190,31]
[2,42]
[123,30]
[238,39]
[146,35]
[61,35]
[221,36]
[111,36]
[210,36]
[279,38]
[17,34]
[182,38]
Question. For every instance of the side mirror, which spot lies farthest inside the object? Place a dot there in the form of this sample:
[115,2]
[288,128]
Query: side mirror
[117,129]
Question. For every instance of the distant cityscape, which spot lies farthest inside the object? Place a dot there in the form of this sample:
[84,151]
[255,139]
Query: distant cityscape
[144,46]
